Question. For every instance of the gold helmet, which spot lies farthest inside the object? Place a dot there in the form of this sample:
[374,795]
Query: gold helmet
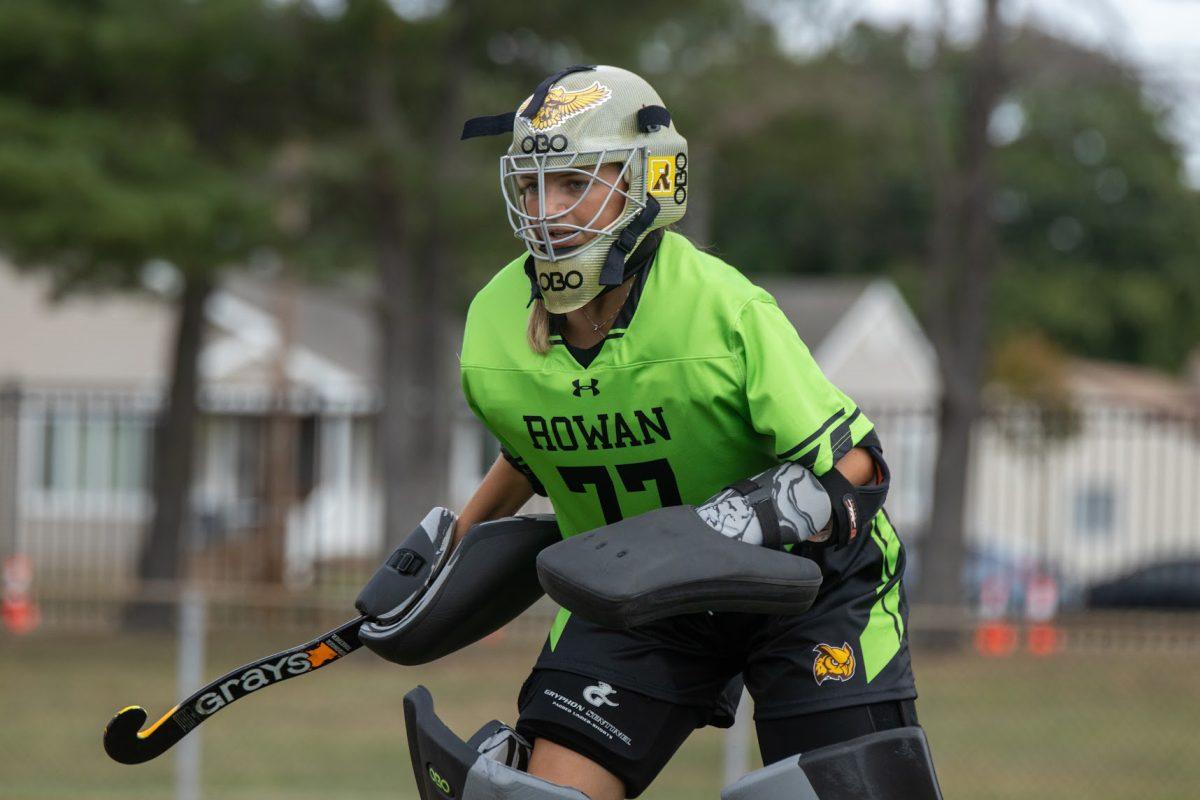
[574,122]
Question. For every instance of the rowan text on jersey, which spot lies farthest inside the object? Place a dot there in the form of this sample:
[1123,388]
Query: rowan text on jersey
[598,432]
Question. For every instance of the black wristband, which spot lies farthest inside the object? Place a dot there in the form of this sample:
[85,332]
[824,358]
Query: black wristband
[844,518]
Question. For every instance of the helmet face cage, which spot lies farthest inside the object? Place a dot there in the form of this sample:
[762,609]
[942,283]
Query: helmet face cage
[534,228]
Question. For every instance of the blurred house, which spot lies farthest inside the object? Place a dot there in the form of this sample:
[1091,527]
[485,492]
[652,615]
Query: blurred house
[82,380]
[1101,487]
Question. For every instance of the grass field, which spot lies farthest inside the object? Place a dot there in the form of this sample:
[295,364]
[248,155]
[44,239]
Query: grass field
[1069,727]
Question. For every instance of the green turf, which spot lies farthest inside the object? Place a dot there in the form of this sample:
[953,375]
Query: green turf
[1067,727]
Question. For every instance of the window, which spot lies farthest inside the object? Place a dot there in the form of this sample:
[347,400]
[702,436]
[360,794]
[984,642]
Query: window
[93,452]
[1095,510]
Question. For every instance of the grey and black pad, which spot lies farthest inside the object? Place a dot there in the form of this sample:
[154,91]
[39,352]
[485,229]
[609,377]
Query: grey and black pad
[667,562]
[447,768]
[403,577]
[487,581]
[890,765]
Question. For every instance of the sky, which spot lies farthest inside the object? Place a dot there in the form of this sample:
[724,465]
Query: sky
[1160,38]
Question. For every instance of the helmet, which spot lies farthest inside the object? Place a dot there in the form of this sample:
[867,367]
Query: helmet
[576,121]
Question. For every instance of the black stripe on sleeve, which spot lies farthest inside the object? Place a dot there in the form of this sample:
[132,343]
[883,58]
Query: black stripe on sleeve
[841,440]
[816,435]
[520,466]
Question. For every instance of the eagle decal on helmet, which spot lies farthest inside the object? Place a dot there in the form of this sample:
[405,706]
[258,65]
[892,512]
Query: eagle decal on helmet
[561,105]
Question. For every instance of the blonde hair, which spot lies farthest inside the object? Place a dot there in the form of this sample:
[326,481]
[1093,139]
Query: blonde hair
[537,332]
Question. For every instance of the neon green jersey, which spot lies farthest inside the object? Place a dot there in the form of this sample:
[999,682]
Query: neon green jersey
[701,382]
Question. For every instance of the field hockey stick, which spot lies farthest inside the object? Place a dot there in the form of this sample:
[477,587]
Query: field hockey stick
[126,742]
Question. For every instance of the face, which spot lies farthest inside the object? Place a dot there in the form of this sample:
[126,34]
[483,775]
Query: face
[580,202]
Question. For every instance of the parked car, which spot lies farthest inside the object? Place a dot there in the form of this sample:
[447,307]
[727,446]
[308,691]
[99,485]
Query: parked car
[1168,585]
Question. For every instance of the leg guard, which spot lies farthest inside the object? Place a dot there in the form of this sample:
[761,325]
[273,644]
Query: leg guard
[424,604]
[890,765]
[447,768]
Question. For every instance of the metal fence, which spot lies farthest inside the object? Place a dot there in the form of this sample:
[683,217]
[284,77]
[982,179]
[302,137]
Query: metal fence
[1089,507]
[75,501]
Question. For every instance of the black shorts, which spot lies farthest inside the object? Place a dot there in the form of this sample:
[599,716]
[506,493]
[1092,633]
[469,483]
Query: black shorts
[634,736]
[849,650]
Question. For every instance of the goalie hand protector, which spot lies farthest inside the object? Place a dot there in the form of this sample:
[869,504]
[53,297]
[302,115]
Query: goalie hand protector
[426,602]
[403,577]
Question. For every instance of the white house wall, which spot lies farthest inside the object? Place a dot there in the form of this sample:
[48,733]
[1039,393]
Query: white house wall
[1026,501]
[114,339]
[909,439]
[343,516]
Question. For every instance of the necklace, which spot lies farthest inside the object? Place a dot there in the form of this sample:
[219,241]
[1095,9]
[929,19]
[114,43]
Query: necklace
[596,326]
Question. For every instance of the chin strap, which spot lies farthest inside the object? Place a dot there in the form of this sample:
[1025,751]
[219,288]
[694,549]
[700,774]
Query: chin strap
[531,272]
[613,272]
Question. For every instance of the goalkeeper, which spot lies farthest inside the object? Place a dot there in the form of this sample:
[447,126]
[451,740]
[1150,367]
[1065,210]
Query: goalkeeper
[622,370]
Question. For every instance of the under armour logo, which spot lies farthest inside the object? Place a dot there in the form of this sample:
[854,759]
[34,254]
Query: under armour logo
[598,695]
[581,388]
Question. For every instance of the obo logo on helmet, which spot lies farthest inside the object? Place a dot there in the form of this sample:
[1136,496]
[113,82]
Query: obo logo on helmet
[557,281]
[541,143]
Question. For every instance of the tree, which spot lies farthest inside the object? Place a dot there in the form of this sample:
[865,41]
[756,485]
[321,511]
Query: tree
[1098,225]
[962,269]
[131,130]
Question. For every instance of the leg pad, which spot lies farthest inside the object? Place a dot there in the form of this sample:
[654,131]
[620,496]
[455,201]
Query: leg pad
[447,768]
[890,765]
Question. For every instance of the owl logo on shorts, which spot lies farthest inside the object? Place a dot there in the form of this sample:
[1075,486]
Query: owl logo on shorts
[833,663]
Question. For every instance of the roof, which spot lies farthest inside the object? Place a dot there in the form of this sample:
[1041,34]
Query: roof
[1127,385]
[814,305]
[123,340]
[111,339]
[335,322]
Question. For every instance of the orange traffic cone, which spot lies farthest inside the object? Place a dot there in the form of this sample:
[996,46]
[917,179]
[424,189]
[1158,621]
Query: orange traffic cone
[1043,639]
[996,639]
[18,611]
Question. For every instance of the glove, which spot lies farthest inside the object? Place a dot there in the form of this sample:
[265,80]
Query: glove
[801,506]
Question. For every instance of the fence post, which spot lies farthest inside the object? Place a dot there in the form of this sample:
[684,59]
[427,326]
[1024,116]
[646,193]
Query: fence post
[10,466]
[190,672]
